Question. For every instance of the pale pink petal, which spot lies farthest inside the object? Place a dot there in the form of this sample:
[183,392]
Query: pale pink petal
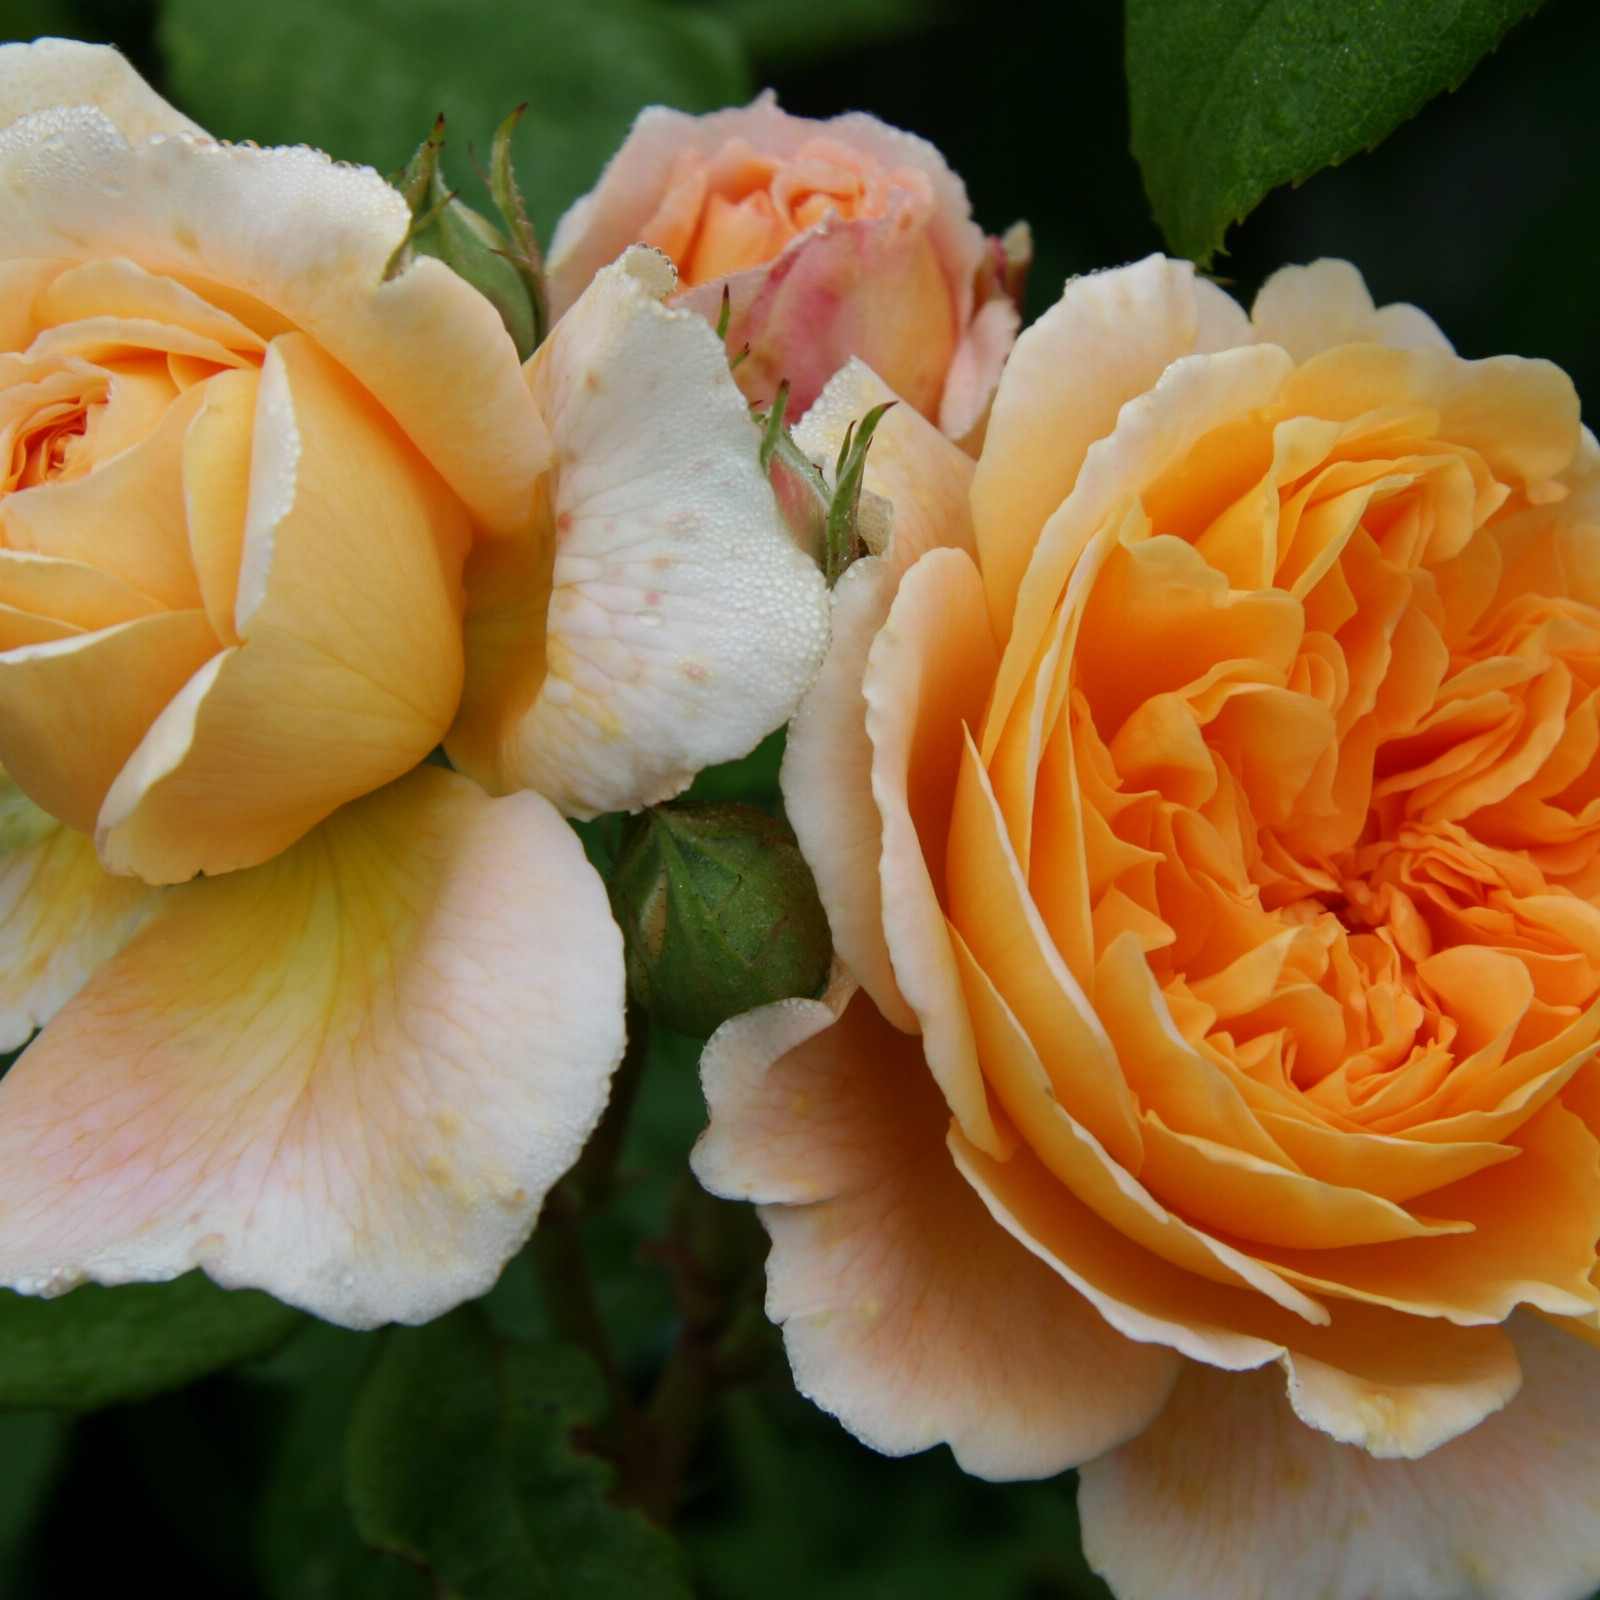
[61,914]
[906,1311]
[1230,1494]
[347,1077]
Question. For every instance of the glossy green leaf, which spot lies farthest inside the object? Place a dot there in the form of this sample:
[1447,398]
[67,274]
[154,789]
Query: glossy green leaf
[364,79]
[459,1457]
[95,1347]
[1230,98]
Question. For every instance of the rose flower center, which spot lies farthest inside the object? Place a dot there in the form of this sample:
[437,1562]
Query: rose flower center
[1336,754]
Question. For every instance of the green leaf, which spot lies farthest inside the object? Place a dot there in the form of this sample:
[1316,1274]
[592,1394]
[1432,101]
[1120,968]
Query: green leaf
[33,1447]
[1230,98]
[307,1547]
[96,1347]
[459,1458]
[364,79]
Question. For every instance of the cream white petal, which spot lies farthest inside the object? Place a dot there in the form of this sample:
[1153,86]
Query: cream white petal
[1230,1494]
[65,72]
[347,1077]
[683,623]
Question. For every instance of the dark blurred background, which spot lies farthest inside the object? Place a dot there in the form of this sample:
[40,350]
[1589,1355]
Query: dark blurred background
[1485,211]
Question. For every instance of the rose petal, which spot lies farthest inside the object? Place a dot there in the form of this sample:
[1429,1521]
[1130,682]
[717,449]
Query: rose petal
[63,72]
[1310,309]
[347,1077]
[1229,1494]
[906,1312]
[61,914]
[350,666]
[683,624]
[308,238]
[828,759]
[73,711]
[1107,340]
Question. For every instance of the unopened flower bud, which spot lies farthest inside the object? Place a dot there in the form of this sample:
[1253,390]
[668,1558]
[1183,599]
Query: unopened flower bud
[719,912]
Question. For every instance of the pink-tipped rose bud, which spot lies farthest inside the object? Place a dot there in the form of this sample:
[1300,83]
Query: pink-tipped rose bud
[834,239]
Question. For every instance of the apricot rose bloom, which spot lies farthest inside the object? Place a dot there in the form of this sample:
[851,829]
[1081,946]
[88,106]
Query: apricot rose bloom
[276,522]
[833,238]
[1204,793]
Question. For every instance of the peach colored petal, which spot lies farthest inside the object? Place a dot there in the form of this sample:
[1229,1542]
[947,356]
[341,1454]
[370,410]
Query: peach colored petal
[216,491]
[1154,430]
[86,596]
[1310,309]
[348,607]
[1106,341]
[906,1313]
[72,712]
[1230,1494]
[347,1077]
[927,673]
[61,914]
[126,517]
[828,760]
[63,72]
[974,375]
[310,239]
[683,623]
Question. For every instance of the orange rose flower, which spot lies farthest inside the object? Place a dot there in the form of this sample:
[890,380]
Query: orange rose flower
[1210,779]
[833,239]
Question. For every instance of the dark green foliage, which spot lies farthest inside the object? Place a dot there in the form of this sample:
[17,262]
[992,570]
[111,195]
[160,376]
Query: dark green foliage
[97,1346]
[1230,98]
[362,78]
[459,1458]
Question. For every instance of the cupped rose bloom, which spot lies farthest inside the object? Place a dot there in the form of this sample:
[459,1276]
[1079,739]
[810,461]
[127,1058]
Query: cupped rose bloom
[276,522]
[1204,793]
[833,239]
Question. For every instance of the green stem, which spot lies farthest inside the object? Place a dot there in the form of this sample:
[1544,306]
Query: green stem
[593,1181]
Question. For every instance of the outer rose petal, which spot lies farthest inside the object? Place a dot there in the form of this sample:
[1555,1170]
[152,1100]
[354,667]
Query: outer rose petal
[1229,1494]
[683,623]
[61,914]
[347,1077]
[63,72]
[1107,340]
[291,231]
[906,1312]
[1310,309]
[828,761]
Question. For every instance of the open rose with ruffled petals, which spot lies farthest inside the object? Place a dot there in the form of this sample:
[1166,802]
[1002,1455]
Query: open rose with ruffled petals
[1211,779]
[276,521]
[832,239]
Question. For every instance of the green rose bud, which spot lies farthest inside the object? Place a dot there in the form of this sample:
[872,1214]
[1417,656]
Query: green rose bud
[720,915]
[506,271]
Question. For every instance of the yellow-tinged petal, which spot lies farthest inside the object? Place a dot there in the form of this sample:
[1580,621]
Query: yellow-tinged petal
[347,1077]
[308,238]
[905,1311]
[1310,309]
[61,914]
[683,624]
[74,710]
[348,607]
